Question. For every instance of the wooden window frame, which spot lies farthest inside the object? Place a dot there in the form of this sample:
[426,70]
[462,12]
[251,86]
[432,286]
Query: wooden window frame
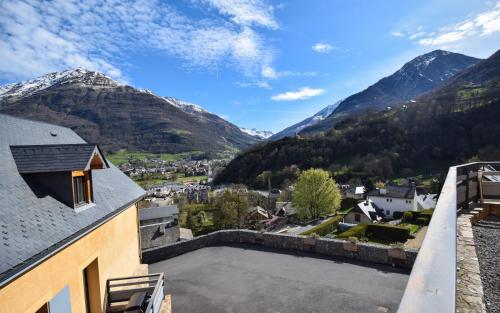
[88,187]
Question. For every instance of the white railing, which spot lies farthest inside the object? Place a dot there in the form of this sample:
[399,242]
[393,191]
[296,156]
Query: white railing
[120,290]
[432,283]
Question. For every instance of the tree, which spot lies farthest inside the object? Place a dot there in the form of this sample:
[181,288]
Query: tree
[231,208]
[315,194]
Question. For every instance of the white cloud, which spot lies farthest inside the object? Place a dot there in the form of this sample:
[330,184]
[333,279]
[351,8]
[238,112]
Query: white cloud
[246,12]
[322,47]
[300,94]
[258,84]
[483,24]
[397,34]
[39,37]
[269,72]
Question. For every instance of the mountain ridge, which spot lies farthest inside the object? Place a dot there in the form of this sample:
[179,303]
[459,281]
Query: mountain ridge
[455,123]
[120,116]
[416,77]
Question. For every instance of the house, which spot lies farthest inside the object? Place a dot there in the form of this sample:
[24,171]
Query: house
[363,212]
[159,226]
[426,201]
[285,209]
[394,199]
[68,222]
[355,192]
[257,214]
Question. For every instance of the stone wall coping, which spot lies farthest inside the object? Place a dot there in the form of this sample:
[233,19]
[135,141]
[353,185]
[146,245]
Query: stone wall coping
[364,251]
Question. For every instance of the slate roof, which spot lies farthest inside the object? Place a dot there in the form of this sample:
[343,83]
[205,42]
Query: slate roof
[157,212]
[53,158]
[367,208]
[32,228]
[404,192]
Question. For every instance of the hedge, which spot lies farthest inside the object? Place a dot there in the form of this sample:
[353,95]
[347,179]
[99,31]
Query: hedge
[422,221]
[377,232]
[425,213]
[387,233]
[324,228]
[356,231]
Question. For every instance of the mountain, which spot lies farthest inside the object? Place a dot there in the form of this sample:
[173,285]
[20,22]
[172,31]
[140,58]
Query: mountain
[261,134]
[310,121]
[417,77]
[453,124]
[119,116]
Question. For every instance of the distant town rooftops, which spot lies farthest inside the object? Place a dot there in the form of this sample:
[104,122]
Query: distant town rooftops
[404,192]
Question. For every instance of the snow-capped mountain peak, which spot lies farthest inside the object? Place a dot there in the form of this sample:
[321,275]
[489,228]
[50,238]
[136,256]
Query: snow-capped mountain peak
[310,121]
[262,134]
[187,107]
[78,75]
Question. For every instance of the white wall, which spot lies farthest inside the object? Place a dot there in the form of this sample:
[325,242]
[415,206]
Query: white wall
[350,218]
[396,205]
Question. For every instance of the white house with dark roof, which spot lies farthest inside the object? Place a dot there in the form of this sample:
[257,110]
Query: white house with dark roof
[394,199]
[363,212]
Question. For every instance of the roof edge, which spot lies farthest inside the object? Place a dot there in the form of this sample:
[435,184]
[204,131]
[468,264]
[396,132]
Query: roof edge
[12,274]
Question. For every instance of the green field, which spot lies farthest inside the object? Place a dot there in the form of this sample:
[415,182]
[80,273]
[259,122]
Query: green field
[122,156]
[148,182]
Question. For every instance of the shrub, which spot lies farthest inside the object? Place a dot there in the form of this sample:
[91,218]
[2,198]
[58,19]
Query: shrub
[387,233]
[423,221]
[353,239]
[398,214]
[356,231]
[324,228]
[314,235]
[407,216]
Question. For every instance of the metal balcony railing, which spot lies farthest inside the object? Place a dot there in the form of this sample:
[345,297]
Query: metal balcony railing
[120,290]
[432,283]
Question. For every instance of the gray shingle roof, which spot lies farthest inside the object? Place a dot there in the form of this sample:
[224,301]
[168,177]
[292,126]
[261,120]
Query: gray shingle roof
[157,212]
[31,227]
[53,158]
[405,192]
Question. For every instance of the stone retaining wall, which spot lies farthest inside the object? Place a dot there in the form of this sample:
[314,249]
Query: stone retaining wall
[329,247]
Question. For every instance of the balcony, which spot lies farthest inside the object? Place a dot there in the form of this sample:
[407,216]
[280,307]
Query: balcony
[135,294]
[469,194]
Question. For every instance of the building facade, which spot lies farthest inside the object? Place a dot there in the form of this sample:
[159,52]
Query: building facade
[69,220]
[394,199]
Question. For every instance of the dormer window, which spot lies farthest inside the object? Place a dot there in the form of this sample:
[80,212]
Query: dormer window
[63,172]
[82,189]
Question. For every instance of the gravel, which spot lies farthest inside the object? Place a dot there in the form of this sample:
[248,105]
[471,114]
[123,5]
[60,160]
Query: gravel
[487,240]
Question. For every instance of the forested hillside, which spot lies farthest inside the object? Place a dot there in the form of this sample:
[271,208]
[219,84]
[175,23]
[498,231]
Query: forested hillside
[458,122]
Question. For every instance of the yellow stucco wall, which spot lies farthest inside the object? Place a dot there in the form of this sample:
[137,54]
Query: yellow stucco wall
[116,246]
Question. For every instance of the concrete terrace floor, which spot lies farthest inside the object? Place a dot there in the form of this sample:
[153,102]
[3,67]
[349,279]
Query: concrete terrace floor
[249,279]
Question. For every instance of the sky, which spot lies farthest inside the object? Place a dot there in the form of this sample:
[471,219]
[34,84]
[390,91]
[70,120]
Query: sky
[257,63]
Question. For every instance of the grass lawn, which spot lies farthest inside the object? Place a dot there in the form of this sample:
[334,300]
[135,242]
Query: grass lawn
[147,183]
[182,179]
[412,227]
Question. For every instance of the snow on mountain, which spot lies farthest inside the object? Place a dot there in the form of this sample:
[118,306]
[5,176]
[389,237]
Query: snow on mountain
[79,75]
[187,107]
[310,121]
[262,134]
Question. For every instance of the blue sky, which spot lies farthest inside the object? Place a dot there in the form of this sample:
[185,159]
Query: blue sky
[257,63]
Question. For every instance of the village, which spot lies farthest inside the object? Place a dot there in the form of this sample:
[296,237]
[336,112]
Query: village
[391,214]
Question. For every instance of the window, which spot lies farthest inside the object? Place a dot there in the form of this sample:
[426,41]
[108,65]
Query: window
[357,217]
[79,190]
[82,187]
[387,212]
